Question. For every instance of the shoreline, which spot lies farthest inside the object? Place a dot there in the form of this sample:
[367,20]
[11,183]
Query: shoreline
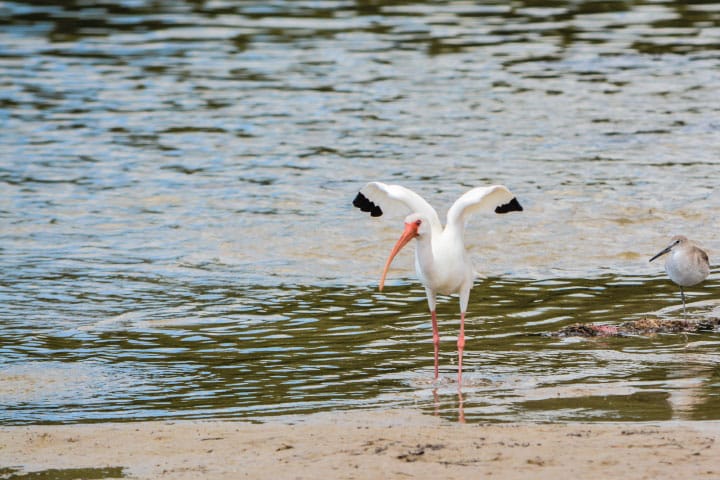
[362,444]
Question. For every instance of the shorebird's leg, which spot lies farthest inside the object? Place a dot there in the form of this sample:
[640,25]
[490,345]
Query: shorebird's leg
[436,341]
[461,347]
[464,299]
[432,303]
[682,295]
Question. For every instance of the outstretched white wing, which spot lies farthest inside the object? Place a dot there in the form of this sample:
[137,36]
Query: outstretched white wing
[495,198]
[379,198]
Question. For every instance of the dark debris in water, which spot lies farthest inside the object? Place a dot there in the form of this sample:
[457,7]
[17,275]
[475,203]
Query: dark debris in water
[645,326]
[9,473]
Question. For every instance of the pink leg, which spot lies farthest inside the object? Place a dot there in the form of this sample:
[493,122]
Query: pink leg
[436,341]
[461,346]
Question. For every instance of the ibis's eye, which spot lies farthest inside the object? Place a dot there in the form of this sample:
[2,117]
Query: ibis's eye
[418,222]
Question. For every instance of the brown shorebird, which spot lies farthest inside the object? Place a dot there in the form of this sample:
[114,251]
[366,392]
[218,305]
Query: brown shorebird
[687,264]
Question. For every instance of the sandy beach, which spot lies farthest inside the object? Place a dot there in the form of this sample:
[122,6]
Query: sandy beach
[359,445]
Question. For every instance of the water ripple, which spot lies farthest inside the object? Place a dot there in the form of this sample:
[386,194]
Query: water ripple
[178,238]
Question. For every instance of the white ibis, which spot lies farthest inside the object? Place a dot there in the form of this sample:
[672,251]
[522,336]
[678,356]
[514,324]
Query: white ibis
[686,265]
[441,261]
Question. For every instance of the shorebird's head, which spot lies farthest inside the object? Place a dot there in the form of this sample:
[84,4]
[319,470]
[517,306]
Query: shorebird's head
[415,226]
[674,242]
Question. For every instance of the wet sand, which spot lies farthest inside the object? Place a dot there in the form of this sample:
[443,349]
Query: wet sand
[391,444]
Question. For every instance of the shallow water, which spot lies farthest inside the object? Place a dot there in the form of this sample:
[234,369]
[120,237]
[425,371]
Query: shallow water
[178,239]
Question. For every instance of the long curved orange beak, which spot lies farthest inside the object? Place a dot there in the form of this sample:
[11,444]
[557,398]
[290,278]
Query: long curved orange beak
[409,233]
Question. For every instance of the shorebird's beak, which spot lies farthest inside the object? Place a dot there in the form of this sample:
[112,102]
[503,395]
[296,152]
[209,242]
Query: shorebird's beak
[411,231]
[663,251]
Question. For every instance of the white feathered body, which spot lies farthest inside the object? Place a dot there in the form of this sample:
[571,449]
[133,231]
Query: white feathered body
[687,266]
[443,264]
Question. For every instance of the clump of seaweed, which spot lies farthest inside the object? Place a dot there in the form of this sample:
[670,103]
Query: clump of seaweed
[644,326]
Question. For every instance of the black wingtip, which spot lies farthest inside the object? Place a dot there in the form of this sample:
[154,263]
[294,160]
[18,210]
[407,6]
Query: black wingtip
[362,202]
[512,206]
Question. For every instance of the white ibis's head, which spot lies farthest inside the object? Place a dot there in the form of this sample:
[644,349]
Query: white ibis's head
[415,226]
[674,242]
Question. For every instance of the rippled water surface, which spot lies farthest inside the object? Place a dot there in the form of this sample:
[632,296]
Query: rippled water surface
[176,232]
